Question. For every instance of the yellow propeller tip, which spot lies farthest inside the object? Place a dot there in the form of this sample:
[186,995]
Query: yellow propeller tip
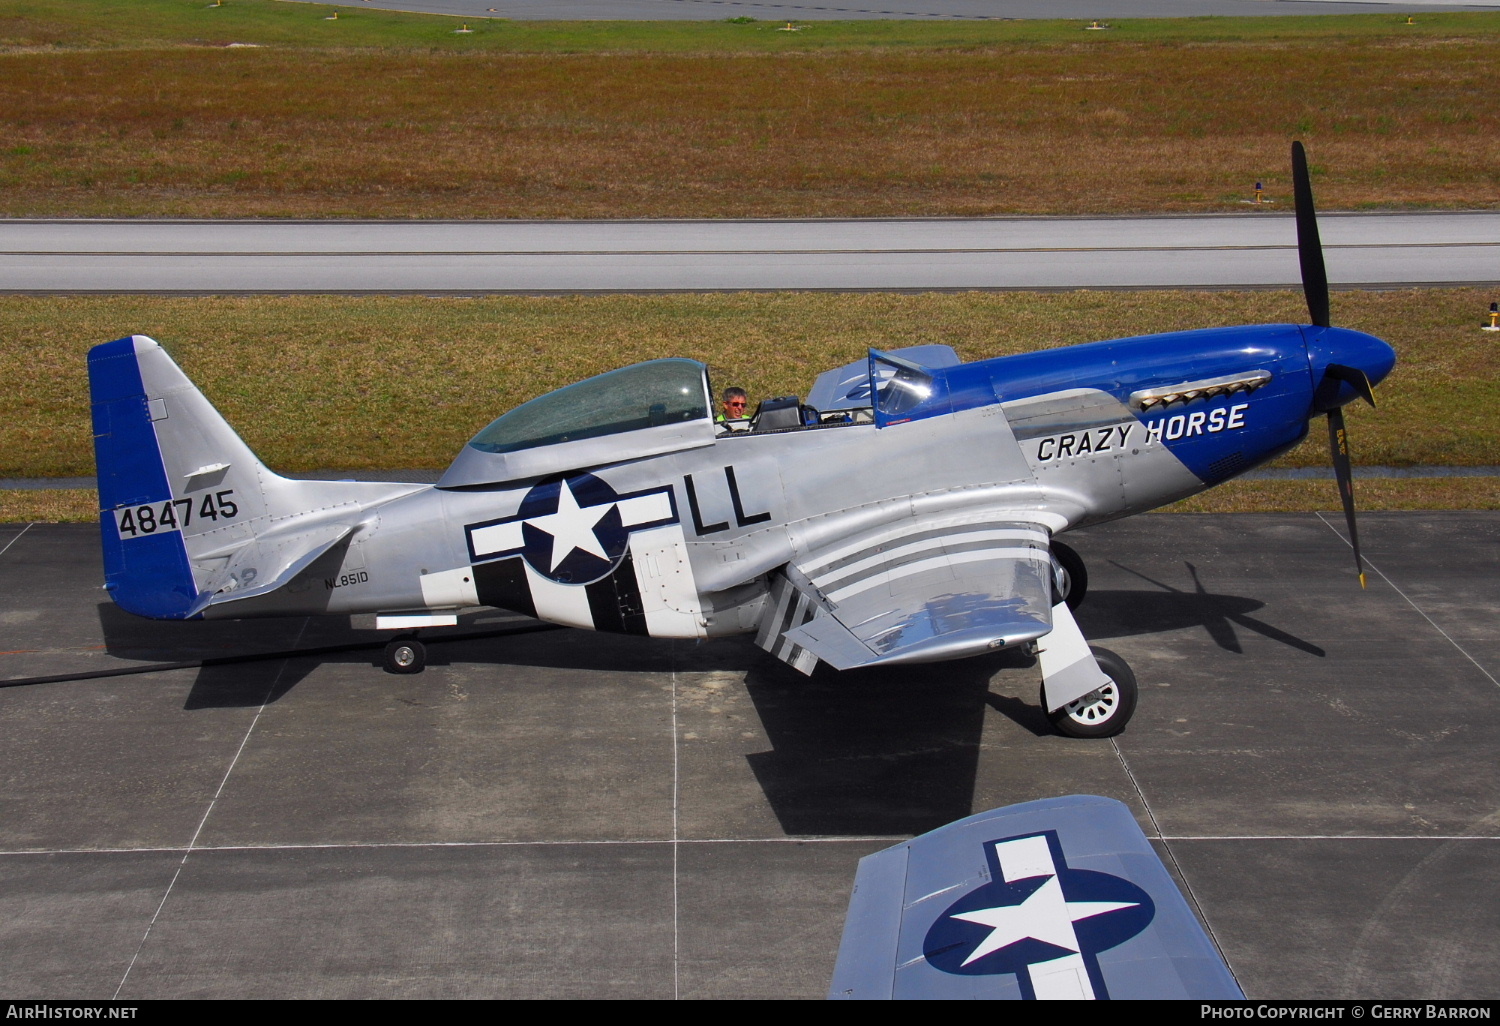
[1361,580]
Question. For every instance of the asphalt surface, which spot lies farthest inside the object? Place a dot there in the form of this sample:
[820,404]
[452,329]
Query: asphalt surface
[715,10]
[1255,249]
[564,814]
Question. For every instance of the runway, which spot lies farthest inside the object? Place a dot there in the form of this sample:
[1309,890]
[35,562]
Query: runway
[1252,250]
[564,814]
[940,10]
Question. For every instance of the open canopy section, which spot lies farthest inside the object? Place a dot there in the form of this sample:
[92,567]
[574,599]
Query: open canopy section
[636,411]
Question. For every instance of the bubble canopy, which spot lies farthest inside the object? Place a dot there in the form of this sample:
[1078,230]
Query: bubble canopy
[644,395]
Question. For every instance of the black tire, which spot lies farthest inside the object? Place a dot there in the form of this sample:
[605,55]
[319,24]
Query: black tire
[1101,713]
[1075,575]
[406,655]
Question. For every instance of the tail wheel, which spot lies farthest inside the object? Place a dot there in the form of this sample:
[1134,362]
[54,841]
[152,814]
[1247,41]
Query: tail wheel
[407,655]
[1104,711]
[1070,579]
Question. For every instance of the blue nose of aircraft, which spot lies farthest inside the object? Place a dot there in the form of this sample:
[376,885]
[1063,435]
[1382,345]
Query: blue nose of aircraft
[1347,348]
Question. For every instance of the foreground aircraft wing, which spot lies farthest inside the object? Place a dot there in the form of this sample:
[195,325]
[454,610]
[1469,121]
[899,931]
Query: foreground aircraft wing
[923,590]
[1060,898]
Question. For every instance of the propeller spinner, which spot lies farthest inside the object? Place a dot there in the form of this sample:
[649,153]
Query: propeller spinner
[1330,394]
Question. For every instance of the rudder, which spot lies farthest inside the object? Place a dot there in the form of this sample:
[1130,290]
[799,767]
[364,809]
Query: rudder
[152,577]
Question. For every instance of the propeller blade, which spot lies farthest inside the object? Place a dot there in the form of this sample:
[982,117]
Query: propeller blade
[1328,393]
[1338,441]
[1356,377]
[1309,246]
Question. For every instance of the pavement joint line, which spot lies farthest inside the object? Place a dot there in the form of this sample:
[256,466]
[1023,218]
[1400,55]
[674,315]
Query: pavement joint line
[16,539]
[1167,847]
[888,839]
[356,845]
[270,690]
[1394,587]
[676,847]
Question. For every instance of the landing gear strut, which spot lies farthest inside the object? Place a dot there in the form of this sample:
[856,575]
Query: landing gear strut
[405,655]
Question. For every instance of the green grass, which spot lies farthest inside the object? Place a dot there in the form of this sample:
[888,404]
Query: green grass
[114,24]
[402,382]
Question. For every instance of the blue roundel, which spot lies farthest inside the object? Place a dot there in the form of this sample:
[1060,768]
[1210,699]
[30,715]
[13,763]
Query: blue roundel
[594,535]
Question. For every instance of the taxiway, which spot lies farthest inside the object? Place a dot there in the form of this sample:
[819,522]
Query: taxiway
[565,814]
[1252,250]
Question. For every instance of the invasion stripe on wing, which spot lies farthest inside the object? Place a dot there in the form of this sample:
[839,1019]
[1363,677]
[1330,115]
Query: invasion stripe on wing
[896,573]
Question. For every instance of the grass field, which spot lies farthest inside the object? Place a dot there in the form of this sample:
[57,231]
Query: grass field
[141,109]
[402,382]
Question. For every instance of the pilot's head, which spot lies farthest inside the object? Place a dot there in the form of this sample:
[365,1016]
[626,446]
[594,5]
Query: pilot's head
[736,403]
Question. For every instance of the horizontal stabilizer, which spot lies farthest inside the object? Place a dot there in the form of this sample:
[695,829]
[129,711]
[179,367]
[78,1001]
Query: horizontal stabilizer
[265,564]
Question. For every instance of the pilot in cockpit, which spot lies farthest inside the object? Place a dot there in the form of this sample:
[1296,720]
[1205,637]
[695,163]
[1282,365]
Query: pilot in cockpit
[735,414]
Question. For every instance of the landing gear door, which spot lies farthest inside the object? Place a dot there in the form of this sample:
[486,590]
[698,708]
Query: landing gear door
[901,390]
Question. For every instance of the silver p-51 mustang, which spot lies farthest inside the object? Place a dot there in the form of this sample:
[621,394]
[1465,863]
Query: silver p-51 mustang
[906,511]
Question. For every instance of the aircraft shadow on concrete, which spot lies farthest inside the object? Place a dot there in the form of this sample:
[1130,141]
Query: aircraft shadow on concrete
[877,751]
[1118,614]
[881,751]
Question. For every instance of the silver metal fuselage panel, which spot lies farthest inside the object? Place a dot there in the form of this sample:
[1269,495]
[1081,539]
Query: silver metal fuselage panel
[740,508]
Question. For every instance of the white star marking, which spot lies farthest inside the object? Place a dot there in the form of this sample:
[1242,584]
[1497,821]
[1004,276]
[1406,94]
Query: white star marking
[572,527]
[1045,916]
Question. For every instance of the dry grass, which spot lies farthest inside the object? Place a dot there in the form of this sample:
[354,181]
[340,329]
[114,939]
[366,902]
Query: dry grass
[402,382]
[49,506]
[1056,128]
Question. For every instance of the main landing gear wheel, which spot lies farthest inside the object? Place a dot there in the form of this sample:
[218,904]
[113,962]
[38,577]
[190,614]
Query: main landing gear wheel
[406,655]
[1075,576]
[1104,711]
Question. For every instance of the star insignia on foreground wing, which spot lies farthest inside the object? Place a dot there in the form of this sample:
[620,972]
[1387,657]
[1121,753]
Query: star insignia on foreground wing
[1033,919]
[1039,919]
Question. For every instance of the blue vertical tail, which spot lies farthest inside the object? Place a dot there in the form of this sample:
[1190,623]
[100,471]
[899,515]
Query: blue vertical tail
[151,576]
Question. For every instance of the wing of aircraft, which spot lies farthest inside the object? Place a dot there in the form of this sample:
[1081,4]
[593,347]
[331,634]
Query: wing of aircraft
[946,581]
[1060,898]
[927,588]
